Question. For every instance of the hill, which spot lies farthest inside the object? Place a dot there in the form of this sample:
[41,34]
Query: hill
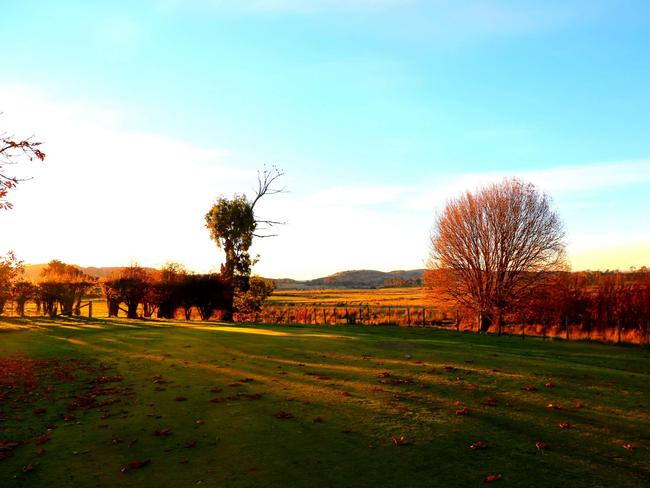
[364,278]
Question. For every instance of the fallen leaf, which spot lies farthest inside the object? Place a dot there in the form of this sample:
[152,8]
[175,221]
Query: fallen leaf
[43,439]
[190,444]
[629,447]
[493,477]
[163,432]
[134,465]
[463,411]
[317,420]
[549,385]
[400,441]
[565,425]
[529,388]
[478,445]
[490,401]
[579,405]
[28,468]
[541,445]
[283,415]
[180,398]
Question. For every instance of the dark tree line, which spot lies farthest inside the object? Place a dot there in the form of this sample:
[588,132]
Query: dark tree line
[592,301]
[164,292]
[59,290]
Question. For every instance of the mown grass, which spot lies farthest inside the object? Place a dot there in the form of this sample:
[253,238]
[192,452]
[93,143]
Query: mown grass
[348,391]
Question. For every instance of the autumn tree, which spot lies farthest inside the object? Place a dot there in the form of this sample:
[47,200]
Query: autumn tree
[233,223]
[23,291]
[10,269]
[490,248]
[62,285]
[128,286]
[12,151]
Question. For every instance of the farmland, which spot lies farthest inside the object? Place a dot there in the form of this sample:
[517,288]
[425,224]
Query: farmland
[144,403]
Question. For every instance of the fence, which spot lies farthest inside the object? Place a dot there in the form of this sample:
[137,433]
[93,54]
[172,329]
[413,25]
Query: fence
[355,314]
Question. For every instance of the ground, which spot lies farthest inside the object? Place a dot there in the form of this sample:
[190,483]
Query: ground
[149,403]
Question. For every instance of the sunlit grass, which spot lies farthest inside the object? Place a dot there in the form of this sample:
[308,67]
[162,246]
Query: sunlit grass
[348,391]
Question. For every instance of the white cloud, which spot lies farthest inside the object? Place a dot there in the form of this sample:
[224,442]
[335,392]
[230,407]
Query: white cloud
[104,195]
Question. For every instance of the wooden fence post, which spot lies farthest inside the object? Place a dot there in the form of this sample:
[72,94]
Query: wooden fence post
[90,310]
[618,331]
[408,315]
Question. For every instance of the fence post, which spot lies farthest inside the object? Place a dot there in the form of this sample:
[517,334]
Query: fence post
[389,314]
[408,315]
[544,329]
[523,328]
[324,316]
[90,310]
[457,321]
[618,331]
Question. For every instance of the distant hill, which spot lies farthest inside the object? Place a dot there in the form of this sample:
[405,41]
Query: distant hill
[364,278]
[33,271]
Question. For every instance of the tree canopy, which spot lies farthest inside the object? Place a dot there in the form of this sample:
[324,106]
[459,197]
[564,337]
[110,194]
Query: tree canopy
[490,248]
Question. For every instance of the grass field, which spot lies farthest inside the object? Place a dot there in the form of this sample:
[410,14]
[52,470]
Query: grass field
[186,404]
[413,296]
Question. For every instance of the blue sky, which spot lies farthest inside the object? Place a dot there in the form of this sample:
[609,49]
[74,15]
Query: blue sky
[378,110]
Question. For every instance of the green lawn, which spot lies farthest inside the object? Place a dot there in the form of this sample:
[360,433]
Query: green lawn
[82,399]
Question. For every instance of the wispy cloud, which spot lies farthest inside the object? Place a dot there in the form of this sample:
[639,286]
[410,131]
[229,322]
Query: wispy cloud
[446,19]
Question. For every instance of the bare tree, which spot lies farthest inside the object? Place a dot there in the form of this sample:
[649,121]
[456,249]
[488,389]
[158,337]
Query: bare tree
[490,248]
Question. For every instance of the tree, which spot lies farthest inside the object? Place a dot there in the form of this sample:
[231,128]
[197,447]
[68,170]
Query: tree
[249,303]
[23,291]
[130,286]
[233,224]
[11,152]
[10,269]
[62,285]
[490,248]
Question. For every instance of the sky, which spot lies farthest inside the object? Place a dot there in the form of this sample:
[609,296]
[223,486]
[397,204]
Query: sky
[378,111]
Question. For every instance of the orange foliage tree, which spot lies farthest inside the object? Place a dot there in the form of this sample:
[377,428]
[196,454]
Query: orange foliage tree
[491,248]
